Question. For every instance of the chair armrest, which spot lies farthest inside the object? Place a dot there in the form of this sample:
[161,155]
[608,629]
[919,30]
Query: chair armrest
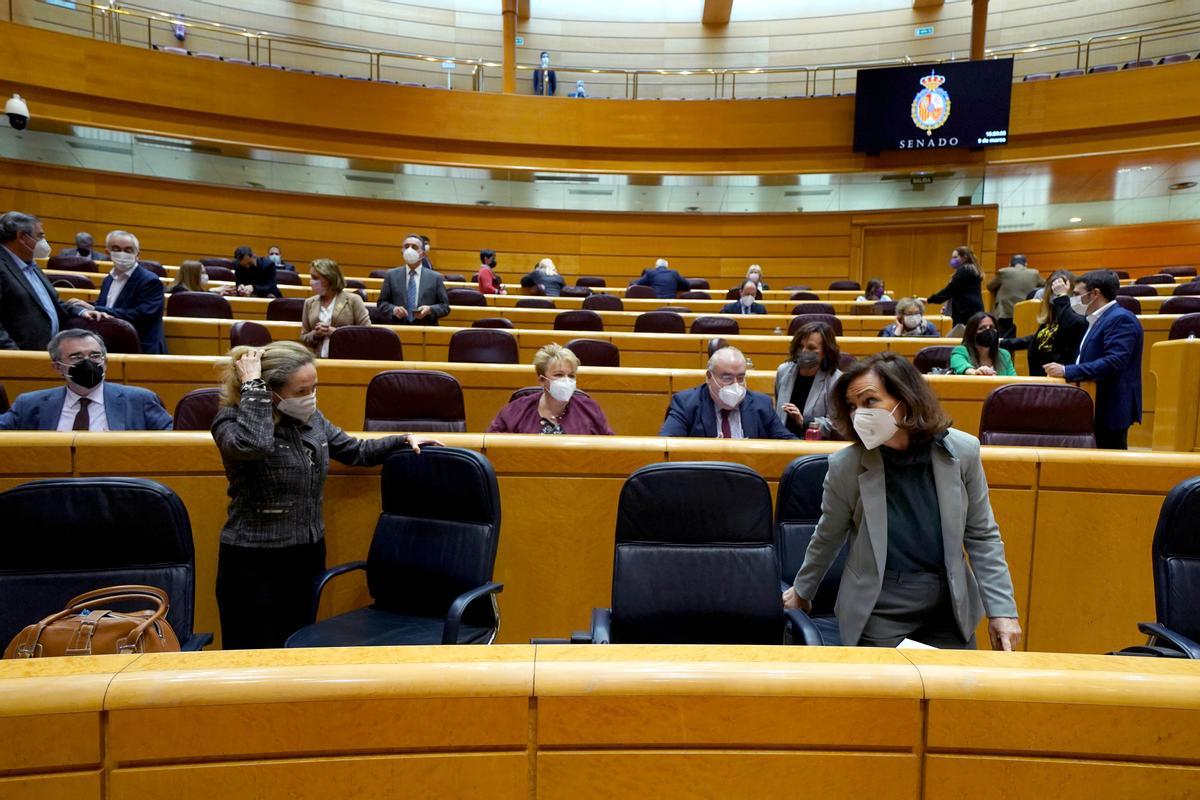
[601,626]
[328,575]
[1179,641]
[196,642]
[459,606]
[803,630]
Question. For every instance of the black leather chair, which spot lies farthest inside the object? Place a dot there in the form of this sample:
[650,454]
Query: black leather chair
[415,400]
[659,322]
[797,510]
[1038,415]
[578,319]
[215,261]
[813,308]
[575,291]
[219,273]
[197,409]
[1130,304]
[1157,279]
[595,352]
[465,297]
[829,319]
[454,277]
[697,283]
[638,291]
[703,530]
[935,356]
[534,302]
[3,399]
[153,266]
[493,322]
[118,335]
[884,308]
[715,344]
[1176,557]
[1179,272]
[285,309]
[285,277]
[590,281]
[429,568]
[66,536]
[603,302]
[245,332]
[694,294]
[1185,326]
[1180,305]
[71,280]
[71,264]
[1138,290]
[845,286]
[202,305]
[723,326]
[1186,289]
[365,342]
[483,346]
[805,296]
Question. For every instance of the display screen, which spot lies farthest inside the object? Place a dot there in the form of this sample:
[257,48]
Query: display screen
[961,104]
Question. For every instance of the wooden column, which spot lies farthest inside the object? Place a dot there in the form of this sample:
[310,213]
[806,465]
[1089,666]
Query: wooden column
[979,10]
[510,46]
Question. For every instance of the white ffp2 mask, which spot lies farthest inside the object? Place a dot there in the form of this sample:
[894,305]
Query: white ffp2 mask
[875,425]
[561,389]
[411,255]
[41,249]
[731,396]
[299,408]
[123,262]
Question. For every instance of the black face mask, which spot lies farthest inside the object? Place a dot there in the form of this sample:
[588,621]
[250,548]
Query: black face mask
[986,338]
[86,373]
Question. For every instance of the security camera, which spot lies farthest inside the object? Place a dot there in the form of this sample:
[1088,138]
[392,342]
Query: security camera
[17,111]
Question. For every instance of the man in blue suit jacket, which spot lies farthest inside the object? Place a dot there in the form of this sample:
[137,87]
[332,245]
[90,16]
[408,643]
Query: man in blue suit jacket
[1110,355]
[745,304]
[664,281]
[87,402]
[723,407]
[132,293]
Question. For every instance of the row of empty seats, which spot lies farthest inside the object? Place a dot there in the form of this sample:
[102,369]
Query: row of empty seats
[1173,58]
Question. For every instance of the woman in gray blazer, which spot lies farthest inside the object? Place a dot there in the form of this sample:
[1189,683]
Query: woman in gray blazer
[804,382]
[911,500]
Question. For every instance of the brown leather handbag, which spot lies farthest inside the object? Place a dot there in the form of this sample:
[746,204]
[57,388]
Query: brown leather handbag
[84,629]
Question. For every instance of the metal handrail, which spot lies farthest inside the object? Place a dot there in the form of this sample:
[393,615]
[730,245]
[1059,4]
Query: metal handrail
[1166,29]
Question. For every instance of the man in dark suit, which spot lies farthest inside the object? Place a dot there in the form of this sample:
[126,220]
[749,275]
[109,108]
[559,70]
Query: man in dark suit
[86,402]
[723,407]
[664,281]
[1110,355]
[545,82]
[30,311]
[745,304]
[133,293]
[275,257]
[413,294]
[83,248]
[253,277]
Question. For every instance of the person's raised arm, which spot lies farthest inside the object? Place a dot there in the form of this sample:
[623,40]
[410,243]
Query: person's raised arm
[249,435]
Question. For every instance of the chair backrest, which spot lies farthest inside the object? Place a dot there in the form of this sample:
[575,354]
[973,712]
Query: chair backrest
[535,302]
[1041,415]
[67,536]
[797,510]
[437,534]
[659,322]
[1130,304]
[1179,272]
[884,308]
[695,294]
[286,309]
[380,273]
[933,357]
[454,277]
[716,343]
[637,290]
[1186,289]
[246,332]
[1145,62]
[813,308]
[218,273]
[153,266]
[1175,58]
[592,281]
[805,295]
[118,335]
[72,280]
[1122,274]
[578,319]
[1137,290]
[3,399]
[1068,73]
[483,346]
[197,409]
[198,304]
[829,319]
[214,261]
[1153,279]
[595,352]
[72,264]
[1185,326]
[1037,76]
[378,316]
[285,277]
[716,325]
[697,283]
[575,291]
[414,400]
[1180,305]
[845,286]
[1176,557]
[365,342]
[493,322]
[703,529]
[1102,68]
[603,302]
[466,297]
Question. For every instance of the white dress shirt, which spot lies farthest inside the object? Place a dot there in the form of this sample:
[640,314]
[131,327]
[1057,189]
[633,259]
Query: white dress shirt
[735,422]
[97,419]
[325,317]
[119,281]
[1091,321]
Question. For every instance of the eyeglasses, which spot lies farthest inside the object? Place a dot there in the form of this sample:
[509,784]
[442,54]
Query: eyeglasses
[78,358]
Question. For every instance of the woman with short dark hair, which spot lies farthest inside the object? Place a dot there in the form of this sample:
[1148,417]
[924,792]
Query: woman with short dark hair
[963,292]
[910,498]
[803,383]
[980,353]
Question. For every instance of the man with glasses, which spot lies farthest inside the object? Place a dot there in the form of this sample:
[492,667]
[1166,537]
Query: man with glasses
[722,407]
[30,311]
[413,294]
[87,402]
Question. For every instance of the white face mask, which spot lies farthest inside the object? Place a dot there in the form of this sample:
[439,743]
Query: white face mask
[911,321]
[299,408]
[561,389]
[731,396]
[41,249]
[411,255]
[747,300]
[317,287]
[875,425]
[123,261]
[276,259]
[1079,305]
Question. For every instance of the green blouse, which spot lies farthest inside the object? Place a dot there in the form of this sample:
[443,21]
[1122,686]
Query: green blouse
[960,362]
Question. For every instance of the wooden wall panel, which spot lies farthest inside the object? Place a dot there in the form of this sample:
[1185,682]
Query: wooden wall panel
[1137,249]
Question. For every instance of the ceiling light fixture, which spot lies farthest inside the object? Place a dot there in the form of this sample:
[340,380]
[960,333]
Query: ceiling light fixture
[1076,219]
[1145,169]
[1175,187]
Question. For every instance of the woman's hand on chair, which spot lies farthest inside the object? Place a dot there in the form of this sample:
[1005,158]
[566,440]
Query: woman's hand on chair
[416,443]
[793,600]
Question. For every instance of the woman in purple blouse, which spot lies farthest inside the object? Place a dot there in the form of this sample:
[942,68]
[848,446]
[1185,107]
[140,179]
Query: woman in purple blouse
[557,408]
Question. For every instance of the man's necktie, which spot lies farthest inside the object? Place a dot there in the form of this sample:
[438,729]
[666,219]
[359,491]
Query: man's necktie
[412,293]
[82,418]
[726,429]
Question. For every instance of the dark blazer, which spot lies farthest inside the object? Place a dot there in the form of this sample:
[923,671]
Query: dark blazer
[141,305]
[664,282]
[1056,342]
[1111,355]
[23,323]
[963,292]
[93,254]
[431,292]
[693,413]
[552,79]
[128,408]
[261,276]
[736,308]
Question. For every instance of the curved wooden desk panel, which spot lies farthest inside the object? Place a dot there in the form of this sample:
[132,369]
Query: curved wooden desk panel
[611,721]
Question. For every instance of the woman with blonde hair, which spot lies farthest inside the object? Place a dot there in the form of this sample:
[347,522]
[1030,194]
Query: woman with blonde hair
[1060,330]
[276,445]
[190,278]
[545,275]
[330,307]
[557,408]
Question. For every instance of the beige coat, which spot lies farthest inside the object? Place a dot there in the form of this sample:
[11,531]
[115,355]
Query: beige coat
[348,309]
[1010,286]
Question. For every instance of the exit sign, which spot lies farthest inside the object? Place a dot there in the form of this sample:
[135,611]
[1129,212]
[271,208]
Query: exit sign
[925,31]
[520,41]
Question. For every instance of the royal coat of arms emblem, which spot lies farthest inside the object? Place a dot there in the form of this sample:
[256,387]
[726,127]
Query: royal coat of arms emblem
[931,106]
